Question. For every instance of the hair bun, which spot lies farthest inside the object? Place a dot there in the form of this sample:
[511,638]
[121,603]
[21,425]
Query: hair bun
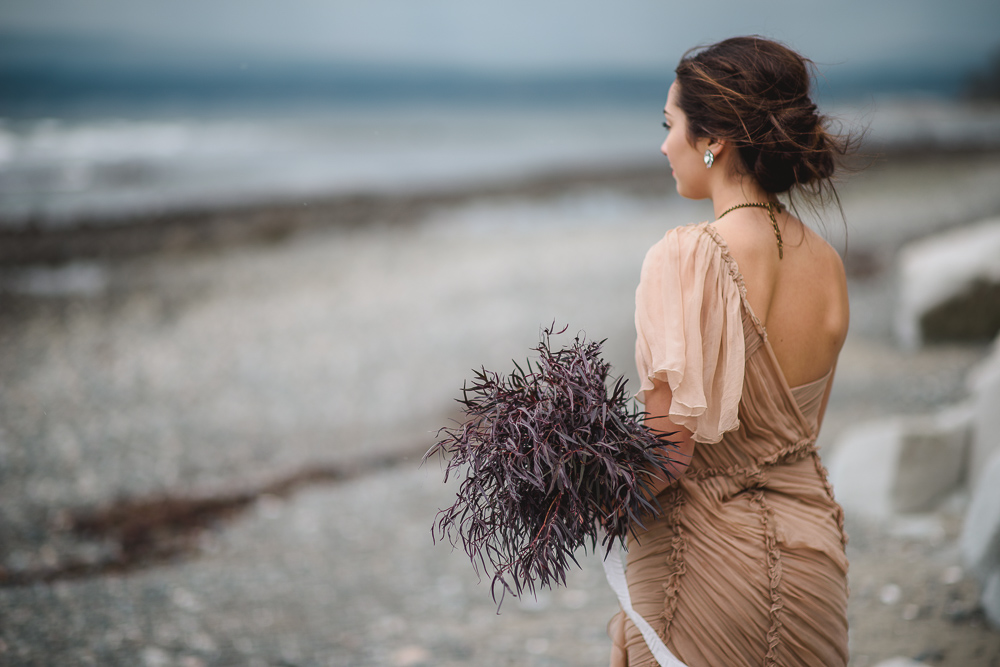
[755,93]
[792,148]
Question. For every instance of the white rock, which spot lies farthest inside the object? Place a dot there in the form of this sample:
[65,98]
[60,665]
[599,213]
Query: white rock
[862,466]
[939,268]
[991,599]
[980,540]
[900,661]
[931,461]
[890,594]
[901,464]
[984,386]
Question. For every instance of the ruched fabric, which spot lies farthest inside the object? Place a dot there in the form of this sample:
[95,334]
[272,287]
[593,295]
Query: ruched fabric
[746,563]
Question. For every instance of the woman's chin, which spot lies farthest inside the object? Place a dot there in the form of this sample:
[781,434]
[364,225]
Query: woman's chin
[688,192]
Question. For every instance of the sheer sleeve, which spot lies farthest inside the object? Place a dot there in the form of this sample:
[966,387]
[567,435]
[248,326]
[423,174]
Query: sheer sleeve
[690,331]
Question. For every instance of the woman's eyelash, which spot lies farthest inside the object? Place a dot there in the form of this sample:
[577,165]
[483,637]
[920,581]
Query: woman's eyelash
[667,127]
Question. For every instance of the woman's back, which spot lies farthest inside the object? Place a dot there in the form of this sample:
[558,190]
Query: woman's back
[800,299]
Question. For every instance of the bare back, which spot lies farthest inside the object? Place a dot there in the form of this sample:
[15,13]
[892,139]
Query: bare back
[800,299]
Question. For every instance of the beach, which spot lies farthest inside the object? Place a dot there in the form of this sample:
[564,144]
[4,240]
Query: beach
[212,420]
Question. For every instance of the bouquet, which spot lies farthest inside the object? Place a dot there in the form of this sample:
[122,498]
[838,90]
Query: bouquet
[552,457]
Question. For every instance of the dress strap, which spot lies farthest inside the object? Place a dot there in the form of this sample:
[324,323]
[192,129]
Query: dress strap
[734,272]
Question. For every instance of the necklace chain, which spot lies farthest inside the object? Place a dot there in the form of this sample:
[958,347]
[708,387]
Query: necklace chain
[770,206]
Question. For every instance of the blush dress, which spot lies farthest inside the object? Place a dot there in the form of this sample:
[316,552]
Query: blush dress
[746,564]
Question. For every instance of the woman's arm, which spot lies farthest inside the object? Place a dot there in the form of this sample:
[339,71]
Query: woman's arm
[658,405]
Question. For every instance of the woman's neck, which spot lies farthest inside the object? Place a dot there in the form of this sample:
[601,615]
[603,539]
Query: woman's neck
[735,191]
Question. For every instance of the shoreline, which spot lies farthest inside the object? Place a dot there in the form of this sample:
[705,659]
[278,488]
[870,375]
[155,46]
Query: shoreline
[214,227]
[208,227]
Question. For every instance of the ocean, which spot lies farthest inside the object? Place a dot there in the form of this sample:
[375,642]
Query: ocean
[58,170]
[103,154]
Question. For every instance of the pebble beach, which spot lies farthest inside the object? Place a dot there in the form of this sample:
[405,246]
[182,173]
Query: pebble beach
[210,445]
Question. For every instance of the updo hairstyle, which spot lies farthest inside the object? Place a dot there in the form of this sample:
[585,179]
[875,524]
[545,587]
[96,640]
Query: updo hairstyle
[755,94]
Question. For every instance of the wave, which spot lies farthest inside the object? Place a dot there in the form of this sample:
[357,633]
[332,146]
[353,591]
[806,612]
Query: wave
[57,171]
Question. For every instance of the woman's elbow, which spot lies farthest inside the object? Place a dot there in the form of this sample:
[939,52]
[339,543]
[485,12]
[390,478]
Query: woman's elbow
[676,459]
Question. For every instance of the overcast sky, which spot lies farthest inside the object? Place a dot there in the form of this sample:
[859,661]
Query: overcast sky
[522,35]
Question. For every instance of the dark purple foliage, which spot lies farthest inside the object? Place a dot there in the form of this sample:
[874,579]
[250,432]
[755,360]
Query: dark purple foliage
[550,455]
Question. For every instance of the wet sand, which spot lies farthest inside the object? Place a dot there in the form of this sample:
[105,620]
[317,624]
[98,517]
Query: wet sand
[266,398]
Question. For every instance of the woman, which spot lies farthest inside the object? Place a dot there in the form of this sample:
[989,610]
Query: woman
[740,322]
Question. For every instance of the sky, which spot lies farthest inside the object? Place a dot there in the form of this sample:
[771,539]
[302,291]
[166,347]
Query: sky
[513,36]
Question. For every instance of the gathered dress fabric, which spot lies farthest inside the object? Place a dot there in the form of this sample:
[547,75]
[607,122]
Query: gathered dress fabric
[746,563]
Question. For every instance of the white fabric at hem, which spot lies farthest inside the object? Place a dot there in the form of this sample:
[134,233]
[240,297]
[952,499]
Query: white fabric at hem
[615,573]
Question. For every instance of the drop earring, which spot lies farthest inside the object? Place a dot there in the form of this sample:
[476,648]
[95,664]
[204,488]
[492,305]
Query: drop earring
[709,159]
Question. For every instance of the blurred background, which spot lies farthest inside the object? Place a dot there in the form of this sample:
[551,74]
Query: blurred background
[113,109]
[249,252]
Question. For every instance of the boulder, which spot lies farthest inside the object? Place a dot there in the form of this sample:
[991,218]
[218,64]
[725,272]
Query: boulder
[991,599]
[984,387]
[950,286]
[862,466]
[980,540]
[901,464]
[931,461]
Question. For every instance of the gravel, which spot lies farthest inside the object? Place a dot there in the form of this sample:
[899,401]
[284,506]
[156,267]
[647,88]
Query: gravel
[213,374]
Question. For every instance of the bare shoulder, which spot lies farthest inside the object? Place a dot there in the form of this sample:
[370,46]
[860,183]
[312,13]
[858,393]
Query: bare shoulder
[810,297]
[820,246]
[800,297]
[745,237]
[822,258]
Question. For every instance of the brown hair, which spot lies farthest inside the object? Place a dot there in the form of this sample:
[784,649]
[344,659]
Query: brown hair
[755,93]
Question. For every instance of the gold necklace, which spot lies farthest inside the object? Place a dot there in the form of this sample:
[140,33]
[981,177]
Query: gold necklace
[770,206]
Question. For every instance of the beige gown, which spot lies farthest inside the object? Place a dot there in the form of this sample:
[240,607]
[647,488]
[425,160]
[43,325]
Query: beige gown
[746,565]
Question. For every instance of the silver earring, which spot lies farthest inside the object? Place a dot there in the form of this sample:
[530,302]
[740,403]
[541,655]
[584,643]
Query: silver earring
[709,159]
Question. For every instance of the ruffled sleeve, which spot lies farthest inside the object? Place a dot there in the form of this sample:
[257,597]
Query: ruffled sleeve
[690,330]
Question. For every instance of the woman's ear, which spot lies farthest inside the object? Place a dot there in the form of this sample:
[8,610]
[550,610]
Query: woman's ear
[708,143]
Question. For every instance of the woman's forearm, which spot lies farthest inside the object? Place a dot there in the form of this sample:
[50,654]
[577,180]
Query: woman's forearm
[657,405]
